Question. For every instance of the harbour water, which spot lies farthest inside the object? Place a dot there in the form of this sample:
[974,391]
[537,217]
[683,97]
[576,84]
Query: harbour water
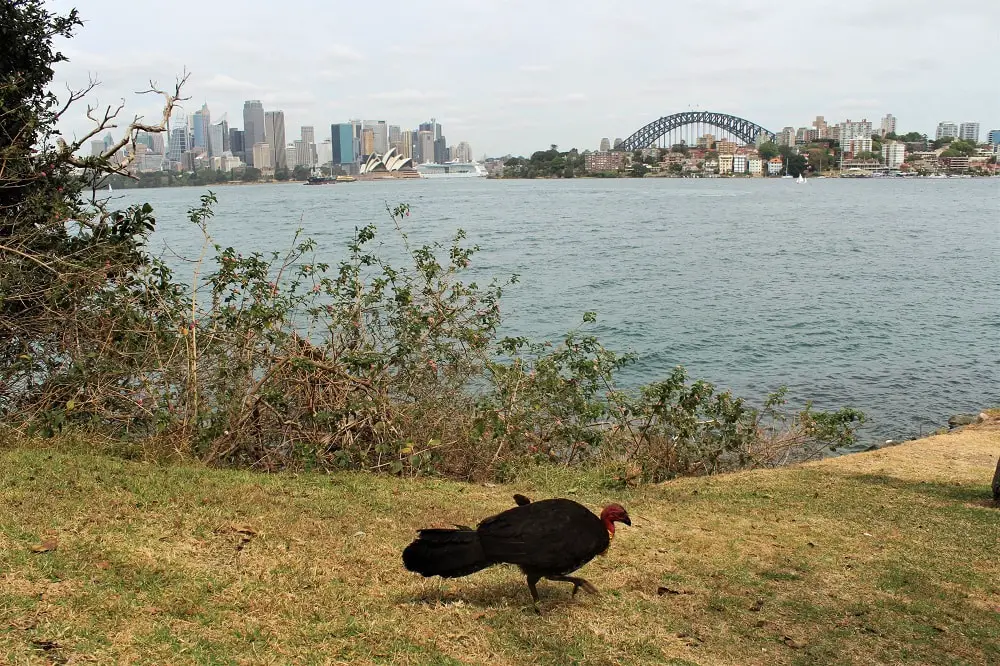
[875,294]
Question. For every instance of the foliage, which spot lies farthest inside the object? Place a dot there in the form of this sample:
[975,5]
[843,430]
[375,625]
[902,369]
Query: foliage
[549,163]
[795,164]
[869,155]
[768,150]
[301,173]
[943,141]
[638,170]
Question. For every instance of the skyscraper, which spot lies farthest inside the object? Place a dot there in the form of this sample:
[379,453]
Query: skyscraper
[367,141]
[380,137]
[463,152]
[274,135]
[433,126]
[395,136]
[407,139]
[308,134]
[253,128]
[969,132]
[440,150]
[236,145]
[605,145]
[200,127]
[993,138]
[342,144]
[425,146]
[218,138]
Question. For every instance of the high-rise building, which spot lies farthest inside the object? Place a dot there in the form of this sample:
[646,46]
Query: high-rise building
[218,138]
[440,150]
[787,137]
[893,153]
[291,155]
[407,139]
[969,132]
[96,148]
[262,154]
[821,127]
[462,152]
[342,144]
[425,146]
[849,129]
[433,126]
[274,135]
[888,124]
[380,137]
[324,153]
[308,134]
[179,139]
[395,136]
[253,128]
[945,130]
[367,141]
[993,138]
[605,145]
[236,145]
[201,121]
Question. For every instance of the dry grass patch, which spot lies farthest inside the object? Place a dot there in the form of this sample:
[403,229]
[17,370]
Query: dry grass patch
[883,557]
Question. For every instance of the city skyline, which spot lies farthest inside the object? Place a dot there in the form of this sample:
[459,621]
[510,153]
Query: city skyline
[525,77]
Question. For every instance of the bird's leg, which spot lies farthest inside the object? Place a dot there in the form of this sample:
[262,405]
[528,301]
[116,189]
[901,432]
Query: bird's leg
[532,579]
[577,583]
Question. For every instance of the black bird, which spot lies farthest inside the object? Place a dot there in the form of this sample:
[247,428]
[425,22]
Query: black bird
[546,539]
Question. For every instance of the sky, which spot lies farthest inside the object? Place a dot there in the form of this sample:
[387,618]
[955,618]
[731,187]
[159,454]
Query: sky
[513,77]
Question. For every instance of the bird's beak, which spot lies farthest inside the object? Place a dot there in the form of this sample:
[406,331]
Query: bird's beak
[627,521]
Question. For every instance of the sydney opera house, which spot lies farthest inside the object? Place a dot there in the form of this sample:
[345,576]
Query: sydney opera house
[389,165]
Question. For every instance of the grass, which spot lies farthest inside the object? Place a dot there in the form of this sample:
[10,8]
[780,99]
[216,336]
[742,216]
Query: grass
[883,557]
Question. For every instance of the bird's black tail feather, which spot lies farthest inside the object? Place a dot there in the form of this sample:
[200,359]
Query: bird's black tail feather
[446,553]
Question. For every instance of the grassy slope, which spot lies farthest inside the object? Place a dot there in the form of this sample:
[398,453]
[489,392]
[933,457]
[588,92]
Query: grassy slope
[886,557]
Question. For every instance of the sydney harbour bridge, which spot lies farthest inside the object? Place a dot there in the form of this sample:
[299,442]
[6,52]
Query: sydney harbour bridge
[687,127]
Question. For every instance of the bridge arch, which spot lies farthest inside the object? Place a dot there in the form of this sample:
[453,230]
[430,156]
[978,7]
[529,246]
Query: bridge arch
[741,128]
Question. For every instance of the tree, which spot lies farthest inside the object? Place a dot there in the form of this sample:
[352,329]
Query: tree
[912,137]
[768,150]
[639,170]
[301,173]
[795,165]
[966,148]
[819,158]
[943,141]
[868,155]
[281,173]
[251,174]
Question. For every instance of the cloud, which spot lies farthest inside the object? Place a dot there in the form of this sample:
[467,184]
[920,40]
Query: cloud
[339,53]
[409,95]
[224,83]
[535,68]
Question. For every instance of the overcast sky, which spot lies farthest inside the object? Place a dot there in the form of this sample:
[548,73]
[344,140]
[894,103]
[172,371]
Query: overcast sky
[514,77]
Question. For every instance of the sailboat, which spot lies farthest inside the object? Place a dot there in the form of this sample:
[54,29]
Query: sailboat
[800,179]
[110,191]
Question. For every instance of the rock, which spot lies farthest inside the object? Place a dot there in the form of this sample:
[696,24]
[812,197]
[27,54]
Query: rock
[996,484]
[959,420]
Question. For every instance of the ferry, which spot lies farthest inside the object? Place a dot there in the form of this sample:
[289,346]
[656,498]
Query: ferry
[452,170]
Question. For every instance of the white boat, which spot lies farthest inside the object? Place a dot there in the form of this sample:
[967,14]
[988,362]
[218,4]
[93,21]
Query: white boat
[452,170]
[800,179]
[110,191]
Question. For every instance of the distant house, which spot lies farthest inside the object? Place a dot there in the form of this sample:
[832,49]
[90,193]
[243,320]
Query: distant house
[774,166]
[755,166]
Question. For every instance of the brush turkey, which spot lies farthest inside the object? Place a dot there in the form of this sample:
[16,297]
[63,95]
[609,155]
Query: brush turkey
[546,539]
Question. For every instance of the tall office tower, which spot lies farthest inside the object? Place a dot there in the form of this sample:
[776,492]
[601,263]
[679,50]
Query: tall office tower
[395,136]
[433,126]
[342,145]
[308,134]
[253,128]
[440,150]
[218,138]
[405,143]
[201,120]
[605,145]
[946,129]
[425,146]
[274,135]
[380,137]
[236,145]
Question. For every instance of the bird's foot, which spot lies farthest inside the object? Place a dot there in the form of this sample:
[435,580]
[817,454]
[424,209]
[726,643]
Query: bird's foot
[587,587]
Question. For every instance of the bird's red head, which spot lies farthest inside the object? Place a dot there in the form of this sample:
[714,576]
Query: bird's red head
[614,513]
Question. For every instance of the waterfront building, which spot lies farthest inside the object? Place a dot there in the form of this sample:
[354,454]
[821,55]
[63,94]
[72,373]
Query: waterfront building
[440,150]
[725,163]
[850,129]
[604,161]
[461,153]
[893,154]
[755,166]
[324,152]
[774,166]
[740,163]
[262,156]
[856,145]
[425,146]
[236,144]
[725,147]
